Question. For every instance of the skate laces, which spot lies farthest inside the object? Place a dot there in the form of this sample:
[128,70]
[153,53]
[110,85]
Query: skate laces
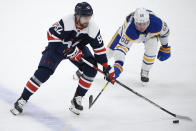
[21,103]
[79,100]
[144,73]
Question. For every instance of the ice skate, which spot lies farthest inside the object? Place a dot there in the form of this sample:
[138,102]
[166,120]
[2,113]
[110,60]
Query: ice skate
[18,106]
[144,77]
[76,105]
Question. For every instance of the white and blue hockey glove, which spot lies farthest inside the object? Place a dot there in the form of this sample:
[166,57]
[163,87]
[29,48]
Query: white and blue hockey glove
[164,53]
[118,68]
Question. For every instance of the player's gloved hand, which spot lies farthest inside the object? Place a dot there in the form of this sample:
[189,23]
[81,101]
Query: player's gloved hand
[75,55]
[164,52]
[109,73]
[118,68]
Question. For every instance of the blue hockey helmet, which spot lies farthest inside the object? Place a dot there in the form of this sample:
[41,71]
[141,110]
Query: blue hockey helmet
[83,9]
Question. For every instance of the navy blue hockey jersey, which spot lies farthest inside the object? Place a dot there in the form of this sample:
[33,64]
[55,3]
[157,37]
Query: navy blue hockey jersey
[65,34]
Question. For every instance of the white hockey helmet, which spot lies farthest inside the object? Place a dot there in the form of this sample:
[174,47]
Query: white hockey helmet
[141,15]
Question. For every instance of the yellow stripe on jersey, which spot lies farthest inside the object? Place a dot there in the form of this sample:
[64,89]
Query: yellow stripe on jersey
[149,60]
[140,35]
[153,33]
[121,47]
[158,38]
[130,38]
[124,25]
[114,37]
[117,65]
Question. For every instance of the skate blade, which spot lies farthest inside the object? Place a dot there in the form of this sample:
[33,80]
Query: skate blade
[74,110]
[14,112]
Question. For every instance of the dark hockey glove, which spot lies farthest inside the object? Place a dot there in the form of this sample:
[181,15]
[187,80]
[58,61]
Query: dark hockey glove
[164,53]
[109,74]
[75,55]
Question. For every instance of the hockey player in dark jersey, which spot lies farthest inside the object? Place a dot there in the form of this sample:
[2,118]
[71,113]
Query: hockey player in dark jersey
[67,39]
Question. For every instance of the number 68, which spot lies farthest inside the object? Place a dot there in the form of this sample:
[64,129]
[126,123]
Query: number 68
[124,40]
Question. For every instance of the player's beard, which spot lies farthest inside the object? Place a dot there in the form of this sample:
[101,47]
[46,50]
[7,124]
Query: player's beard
[84,25]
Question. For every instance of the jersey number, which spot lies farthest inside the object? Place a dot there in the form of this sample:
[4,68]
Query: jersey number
[57,27]
[99,38]
[124,40]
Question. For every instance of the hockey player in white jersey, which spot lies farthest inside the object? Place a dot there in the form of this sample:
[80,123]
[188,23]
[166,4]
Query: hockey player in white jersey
[140,26]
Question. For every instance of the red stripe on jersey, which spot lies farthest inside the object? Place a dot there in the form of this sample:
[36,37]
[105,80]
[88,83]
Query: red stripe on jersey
[99,51]
[31,86]
[84,84]
[51,37]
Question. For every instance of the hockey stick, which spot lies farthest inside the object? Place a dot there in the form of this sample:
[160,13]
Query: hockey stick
[141,96]
[163,109]
[91,102]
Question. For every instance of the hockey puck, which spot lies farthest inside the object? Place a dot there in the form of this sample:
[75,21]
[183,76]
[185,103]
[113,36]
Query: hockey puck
[175,121]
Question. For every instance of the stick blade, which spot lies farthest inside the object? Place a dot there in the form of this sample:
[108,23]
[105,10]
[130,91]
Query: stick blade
[184,117]
[90,101]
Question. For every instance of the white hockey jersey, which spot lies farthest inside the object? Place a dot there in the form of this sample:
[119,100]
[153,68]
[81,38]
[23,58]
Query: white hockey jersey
[127,34]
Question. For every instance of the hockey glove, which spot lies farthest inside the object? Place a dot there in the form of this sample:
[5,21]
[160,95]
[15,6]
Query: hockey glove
[118,68]
[109,74]
[75,55]
[164,52]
